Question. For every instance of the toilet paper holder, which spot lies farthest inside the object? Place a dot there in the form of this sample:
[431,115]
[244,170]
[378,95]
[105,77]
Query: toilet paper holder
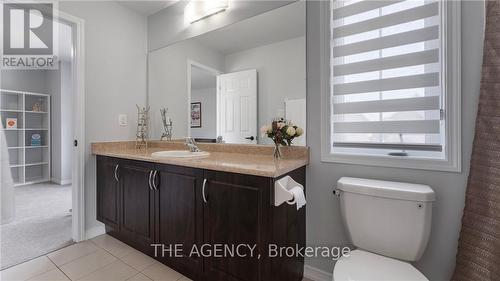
[282,189]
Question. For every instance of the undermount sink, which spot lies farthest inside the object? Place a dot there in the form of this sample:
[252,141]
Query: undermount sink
[180,154]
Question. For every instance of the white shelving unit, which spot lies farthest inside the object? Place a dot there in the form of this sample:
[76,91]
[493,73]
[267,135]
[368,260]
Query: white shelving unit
[29,163]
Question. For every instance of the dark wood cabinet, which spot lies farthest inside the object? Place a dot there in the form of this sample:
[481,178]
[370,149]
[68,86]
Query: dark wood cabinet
[233,215]
[137,203]
[147,203]
[179,217]
[107,191]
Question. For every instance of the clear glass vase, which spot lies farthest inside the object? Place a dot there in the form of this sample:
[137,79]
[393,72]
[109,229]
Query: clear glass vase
[277,151]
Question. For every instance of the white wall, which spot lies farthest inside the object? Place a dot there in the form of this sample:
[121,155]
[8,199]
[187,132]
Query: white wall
[53,82]
[115,80]
[324,225]
[208,99]
[168,83]
[67,119]
[281,70]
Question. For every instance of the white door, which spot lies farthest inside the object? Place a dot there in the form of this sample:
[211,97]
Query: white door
[238,106]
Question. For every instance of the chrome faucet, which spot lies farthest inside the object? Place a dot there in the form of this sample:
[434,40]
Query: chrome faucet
[191,144]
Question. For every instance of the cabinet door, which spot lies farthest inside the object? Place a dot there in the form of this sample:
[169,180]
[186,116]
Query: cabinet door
[179,216]
[137,210]
[233,215]
[108,191]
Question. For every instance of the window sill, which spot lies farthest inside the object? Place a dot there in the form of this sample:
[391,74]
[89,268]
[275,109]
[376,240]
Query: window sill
[403,162]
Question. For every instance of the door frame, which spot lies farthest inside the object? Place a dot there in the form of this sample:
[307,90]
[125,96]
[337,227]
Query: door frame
[216,72]
[79,153]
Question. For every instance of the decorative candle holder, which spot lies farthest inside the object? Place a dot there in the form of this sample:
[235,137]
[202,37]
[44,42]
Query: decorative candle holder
[167,125]
[142,134]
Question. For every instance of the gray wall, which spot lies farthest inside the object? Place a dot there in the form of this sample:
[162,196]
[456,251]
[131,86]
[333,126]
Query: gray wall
[115,80]
[24,80]
[168,26]
[168,83]
[324,224]
[281,73]
[208,99]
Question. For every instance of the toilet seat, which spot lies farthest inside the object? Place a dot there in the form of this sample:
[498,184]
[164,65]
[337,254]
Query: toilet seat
[363,265]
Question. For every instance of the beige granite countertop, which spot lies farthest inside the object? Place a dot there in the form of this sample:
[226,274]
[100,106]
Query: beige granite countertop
[243,159]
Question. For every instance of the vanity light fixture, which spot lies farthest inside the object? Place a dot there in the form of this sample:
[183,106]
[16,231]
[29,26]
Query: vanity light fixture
[197,10]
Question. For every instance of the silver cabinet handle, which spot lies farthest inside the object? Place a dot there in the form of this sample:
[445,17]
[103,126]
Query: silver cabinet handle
[203,191]
[154,180]
[150,174]
[116,170]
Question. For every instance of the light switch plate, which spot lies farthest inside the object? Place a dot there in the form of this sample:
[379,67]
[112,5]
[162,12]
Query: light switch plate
[123,120]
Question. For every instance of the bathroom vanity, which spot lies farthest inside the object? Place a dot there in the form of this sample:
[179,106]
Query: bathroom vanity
[224,199]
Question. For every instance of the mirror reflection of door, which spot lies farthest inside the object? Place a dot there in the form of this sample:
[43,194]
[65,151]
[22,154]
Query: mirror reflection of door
[223,105]
[238,107]
[203,115]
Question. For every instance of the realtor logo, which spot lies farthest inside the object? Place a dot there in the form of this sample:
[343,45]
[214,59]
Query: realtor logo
[28,36]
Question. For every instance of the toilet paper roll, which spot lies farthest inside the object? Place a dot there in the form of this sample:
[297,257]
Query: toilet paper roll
[299,196]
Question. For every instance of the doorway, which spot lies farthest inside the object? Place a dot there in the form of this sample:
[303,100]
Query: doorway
[222,106]
[42,208]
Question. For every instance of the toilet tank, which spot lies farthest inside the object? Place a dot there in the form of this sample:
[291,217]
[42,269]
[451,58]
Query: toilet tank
[388,218]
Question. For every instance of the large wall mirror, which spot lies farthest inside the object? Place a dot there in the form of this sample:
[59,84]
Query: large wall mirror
[232,81]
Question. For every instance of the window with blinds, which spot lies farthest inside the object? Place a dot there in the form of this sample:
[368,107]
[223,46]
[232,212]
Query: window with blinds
[386,78]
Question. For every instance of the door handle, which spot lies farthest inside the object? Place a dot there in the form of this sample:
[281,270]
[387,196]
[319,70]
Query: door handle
[116,170]
[154,180]
[250,138]
[203,191]
[150,174]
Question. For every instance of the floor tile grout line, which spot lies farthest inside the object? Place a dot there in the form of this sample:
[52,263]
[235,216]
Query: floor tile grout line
[109,251]
[88,255]
[109,264]
[44,271]
[72,259]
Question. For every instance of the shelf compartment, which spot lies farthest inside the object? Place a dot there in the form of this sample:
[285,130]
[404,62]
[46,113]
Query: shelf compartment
[11,100]
[15,138]
[17,175]
[36,173]
[43,134]
[36,156]
[16,158]
[31,100]
[12,114]
[37,121]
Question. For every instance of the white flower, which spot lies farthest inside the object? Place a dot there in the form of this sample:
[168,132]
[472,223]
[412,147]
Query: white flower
[299,131]
[281,125]
[266,129]
[290,131]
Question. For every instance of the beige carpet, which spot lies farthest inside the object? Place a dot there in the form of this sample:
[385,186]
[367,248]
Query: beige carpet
[42,223]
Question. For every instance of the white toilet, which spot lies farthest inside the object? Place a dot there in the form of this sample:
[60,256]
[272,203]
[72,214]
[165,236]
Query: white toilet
[389,223]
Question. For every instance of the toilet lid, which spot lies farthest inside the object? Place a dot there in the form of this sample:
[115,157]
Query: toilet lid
[362,265]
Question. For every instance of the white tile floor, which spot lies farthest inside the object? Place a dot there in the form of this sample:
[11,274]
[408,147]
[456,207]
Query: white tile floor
[103,258]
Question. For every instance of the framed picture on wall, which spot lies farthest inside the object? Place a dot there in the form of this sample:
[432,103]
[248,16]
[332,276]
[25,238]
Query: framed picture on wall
[196,115]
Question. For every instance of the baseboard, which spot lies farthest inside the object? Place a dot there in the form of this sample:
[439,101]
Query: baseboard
[94,231]
[316,274]
[61,181]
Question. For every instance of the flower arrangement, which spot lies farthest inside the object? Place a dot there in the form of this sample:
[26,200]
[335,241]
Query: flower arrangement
[282,132]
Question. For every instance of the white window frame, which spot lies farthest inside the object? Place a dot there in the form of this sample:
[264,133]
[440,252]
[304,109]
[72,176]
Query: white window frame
[451,73]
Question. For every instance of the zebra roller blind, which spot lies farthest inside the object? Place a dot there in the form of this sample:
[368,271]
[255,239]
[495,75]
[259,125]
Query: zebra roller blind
[386,78]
